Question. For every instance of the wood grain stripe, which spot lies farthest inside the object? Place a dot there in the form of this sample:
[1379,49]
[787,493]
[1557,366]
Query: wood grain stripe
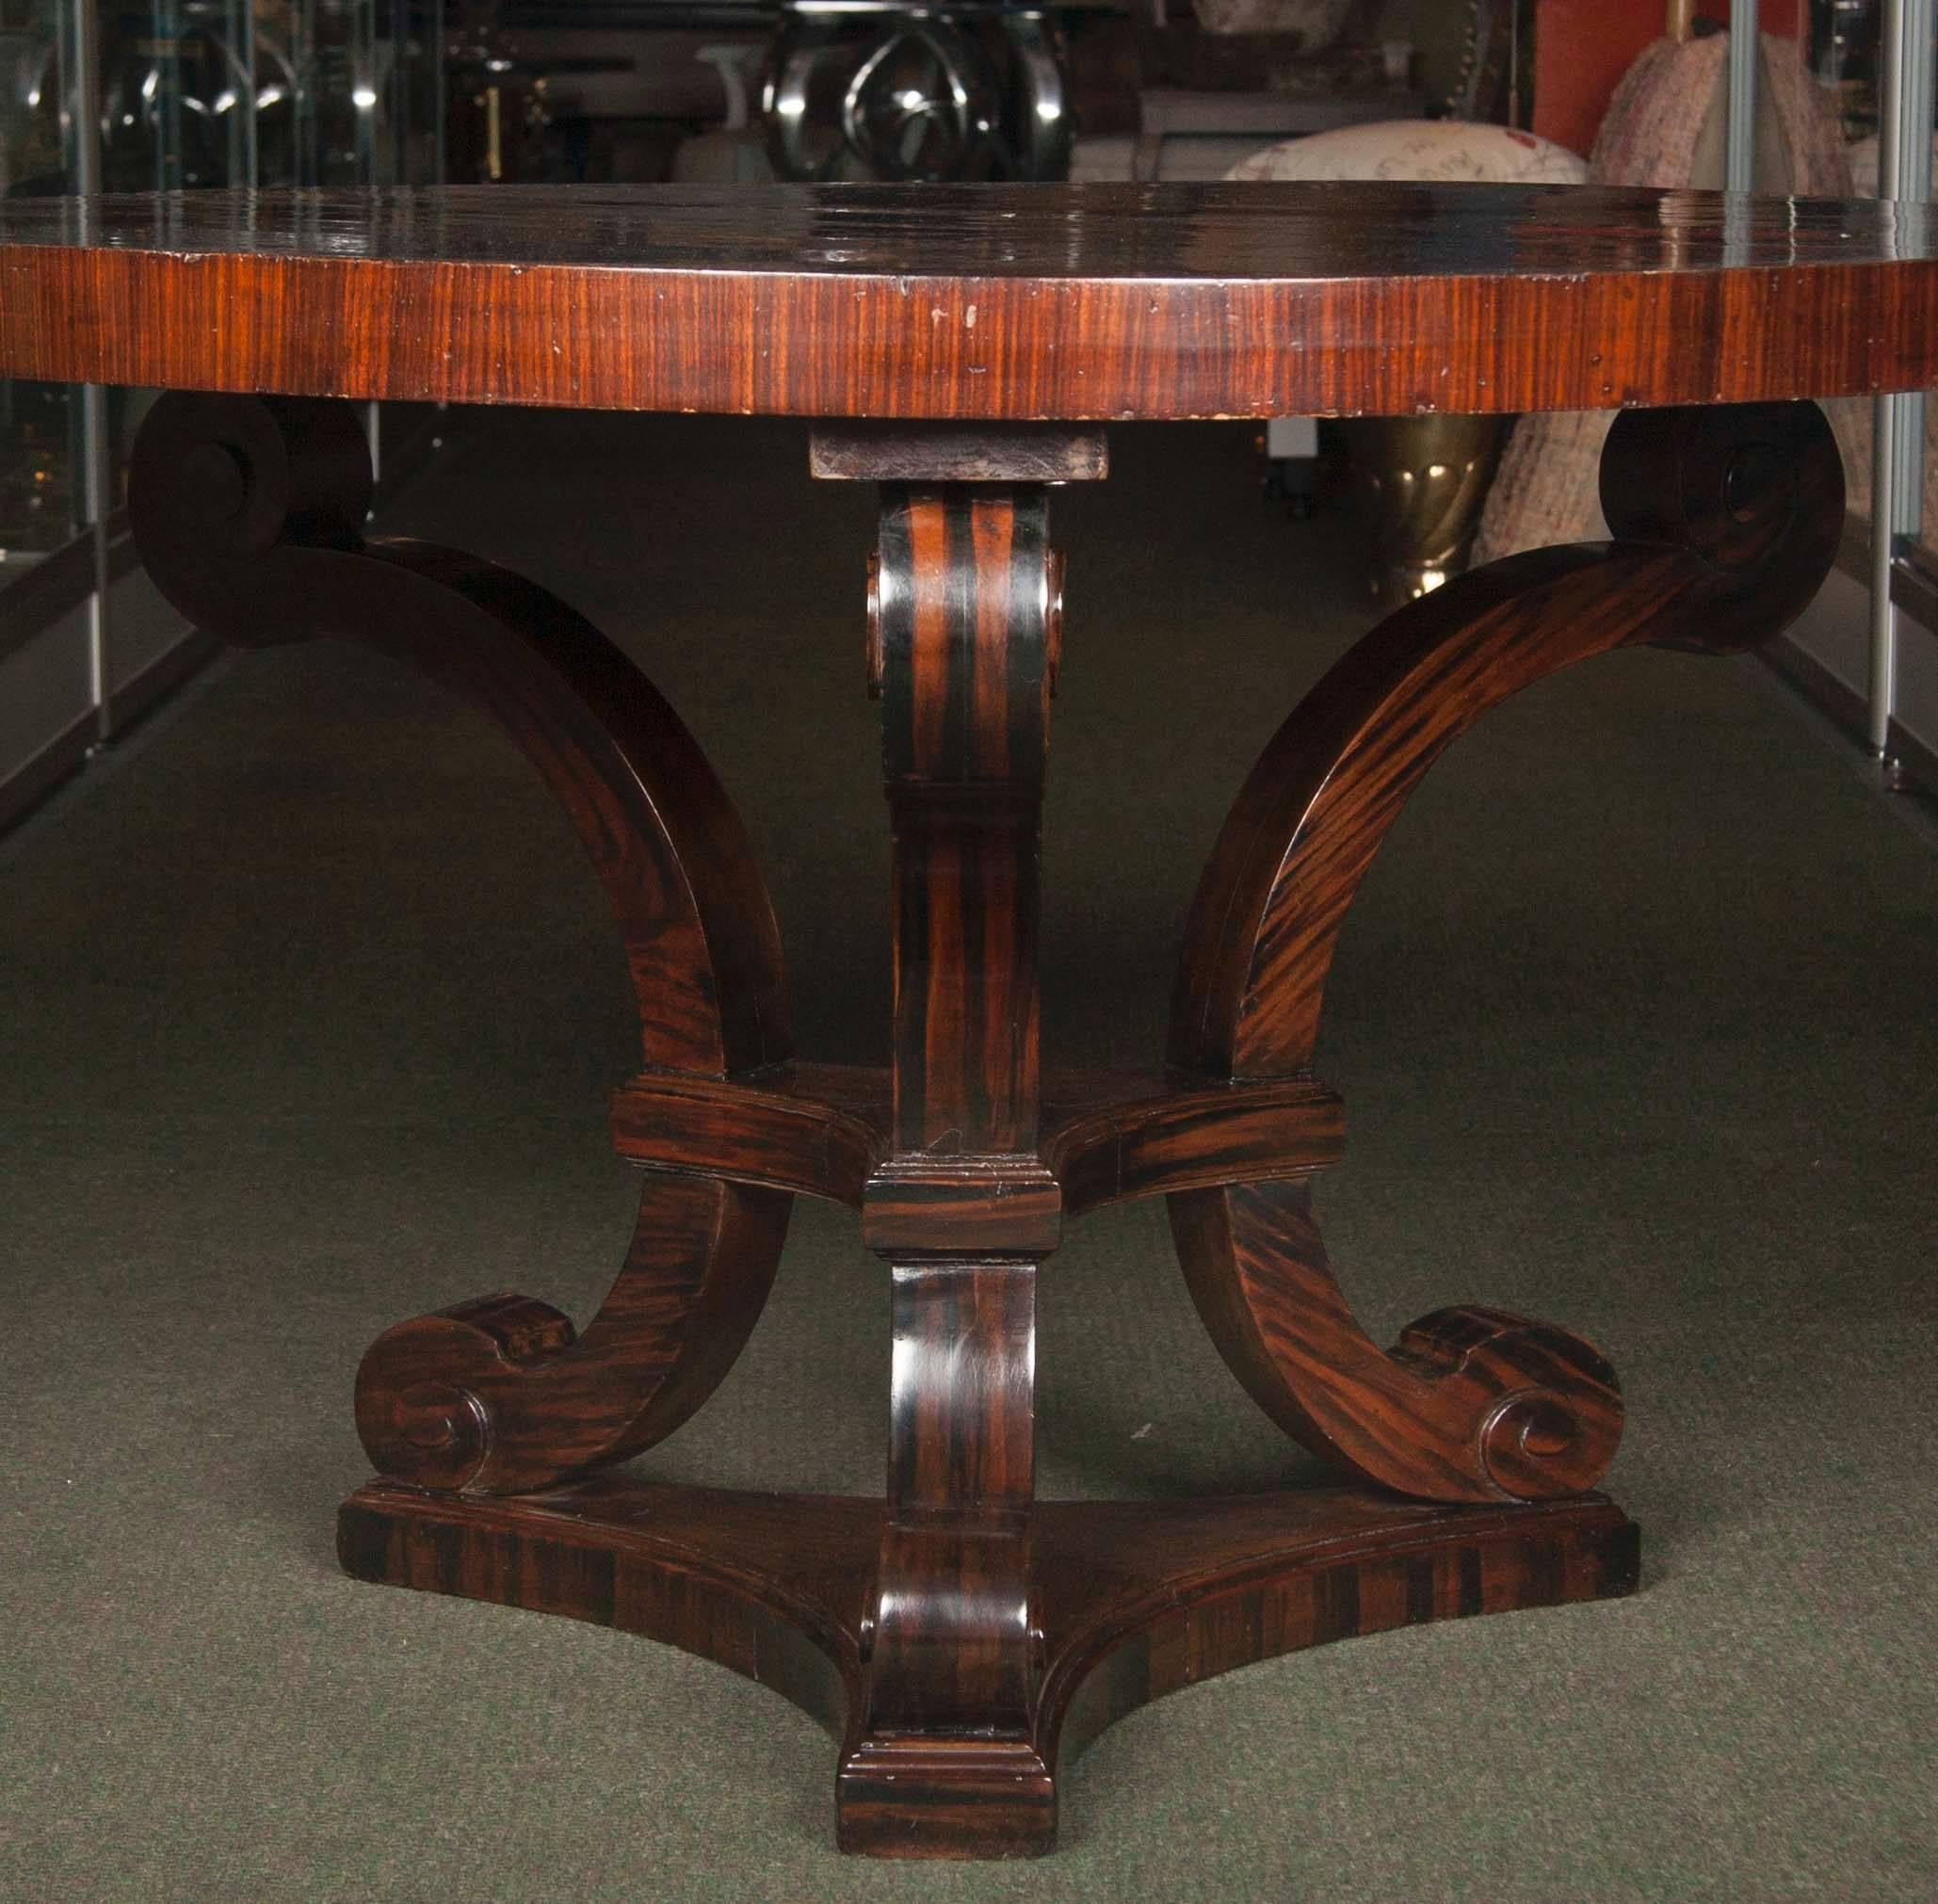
[1061,302]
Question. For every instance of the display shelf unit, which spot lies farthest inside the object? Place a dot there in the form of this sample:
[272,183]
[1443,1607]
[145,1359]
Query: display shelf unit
[164,95]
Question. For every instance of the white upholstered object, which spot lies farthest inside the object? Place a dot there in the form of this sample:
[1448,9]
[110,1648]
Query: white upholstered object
[1439,150]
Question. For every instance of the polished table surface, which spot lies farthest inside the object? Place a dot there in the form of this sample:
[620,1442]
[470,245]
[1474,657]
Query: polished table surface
[1028,302]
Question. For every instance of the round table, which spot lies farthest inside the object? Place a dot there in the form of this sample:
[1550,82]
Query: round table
[961,349]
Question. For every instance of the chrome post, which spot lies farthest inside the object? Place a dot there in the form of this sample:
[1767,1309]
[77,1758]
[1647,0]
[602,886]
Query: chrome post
[1882,695]
[1897,463]
[80,109]
[1740,140]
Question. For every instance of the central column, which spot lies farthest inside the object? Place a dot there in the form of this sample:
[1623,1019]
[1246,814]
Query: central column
[964,609]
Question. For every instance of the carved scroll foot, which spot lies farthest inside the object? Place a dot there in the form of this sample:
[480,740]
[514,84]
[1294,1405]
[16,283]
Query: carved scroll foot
[1471,1404]
[249,516]
[1727,523]
[499,1395]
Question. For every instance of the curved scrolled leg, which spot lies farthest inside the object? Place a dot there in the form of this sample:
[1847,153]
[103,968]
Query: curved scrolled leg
[1726,521]
[498,1396]
[249,515]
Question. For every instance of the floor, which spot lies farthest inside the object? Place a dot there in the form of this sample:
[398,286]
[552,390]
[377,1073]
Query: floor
[310,1011]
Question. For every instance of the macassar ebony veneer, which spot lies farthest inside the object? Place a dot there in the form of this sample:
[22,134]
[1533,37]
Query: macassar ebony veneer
[960,348]
[980,304]
[957,1635]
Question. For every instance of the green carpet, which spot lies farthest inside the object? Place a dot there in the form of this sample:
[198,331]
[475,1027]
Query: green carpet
[310,1011]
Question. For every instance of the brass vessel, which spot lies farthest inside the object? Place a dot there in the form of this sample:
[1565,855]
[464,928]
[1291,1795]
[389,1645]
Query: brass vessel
[1419,482]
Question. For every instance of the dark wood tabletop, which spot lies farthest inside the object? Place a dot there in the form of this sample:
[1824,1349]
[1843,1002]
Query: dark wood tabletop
[1045,301]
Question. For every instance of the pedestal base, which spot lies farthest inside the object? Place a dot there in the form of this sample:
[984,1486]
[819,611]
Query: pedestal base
[958,1635]
[1129,1600]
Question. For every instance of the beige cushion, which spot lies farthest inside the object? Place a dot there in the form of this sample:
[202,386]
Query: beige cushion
[1419,149]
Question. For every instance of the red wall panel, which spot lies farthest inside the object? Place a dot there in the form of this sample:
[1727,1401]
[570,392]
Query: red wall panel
[1583,47]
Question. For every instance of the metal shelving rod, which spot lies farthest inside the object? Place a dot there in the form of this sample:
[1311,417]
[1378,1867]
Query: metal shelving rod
[80,108]
[1904,171]
[1739,139]
[1882,694]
